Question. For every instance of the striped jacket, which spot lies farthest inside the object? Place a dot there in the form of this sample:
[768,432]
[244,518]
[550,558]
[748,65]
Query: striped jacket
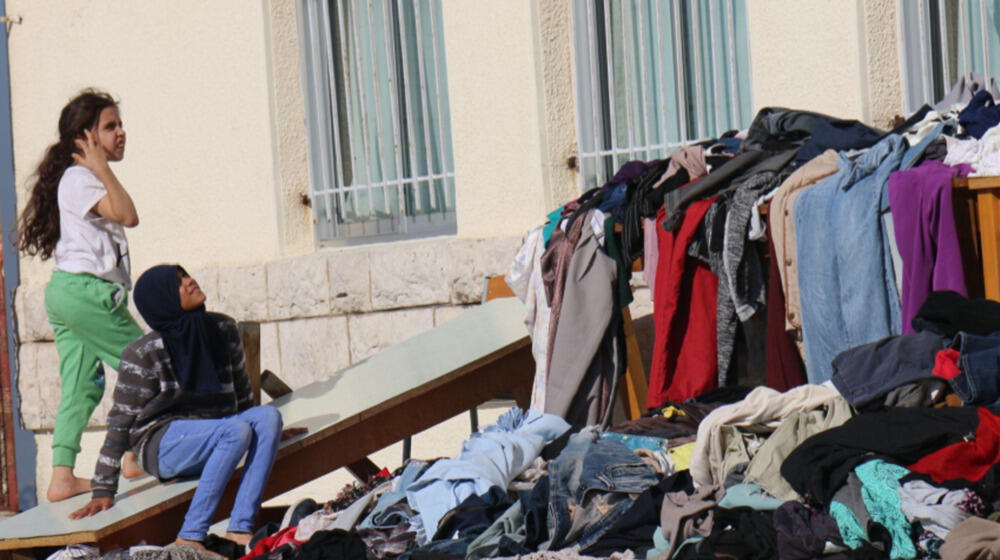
[147,398]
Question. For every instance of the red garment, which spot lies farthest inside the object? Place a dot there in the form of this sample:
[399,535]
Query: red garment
[684,308]
[946,364]
[268,544]
[969,460]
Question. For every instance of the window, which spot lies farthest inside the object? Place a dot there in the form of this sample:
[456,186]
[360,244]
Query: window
[943,40]
[376,98]
[654,74]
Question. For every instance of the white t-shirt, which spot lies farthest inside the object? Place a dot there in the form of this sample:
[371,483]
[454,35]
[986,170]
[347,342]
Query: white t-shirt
[88,242]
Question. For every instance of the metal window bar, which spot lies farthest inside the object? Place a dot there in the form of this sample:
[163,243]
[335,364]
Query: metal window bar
[624,75]
[681,70]
[379,154]
[734,107]
[943,39]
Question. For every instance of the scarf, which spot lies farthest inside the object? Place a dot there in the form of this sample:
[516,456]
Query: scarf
[196,346]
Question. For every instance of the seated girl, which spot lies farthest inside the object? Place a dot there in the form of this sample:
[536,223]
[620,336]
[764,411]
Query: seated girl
[183,404]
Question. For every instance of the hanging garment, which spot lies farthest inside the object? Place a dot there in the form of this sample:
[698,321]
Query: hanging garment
[741,278]
[925,233]
[525,279]
[585,358]
[782,224]
[690,159]
[783,362]
[554,263]
[846,279]
[684,362]
[676,201]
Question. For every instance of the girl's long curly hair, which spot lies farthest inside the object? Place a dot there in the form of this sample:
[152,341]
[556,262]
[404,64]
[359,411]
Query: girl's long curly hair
[38,227]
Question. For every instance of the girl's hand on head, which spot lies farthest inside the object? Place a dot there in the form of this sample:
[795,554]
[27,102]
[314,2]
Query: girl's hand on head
[93,156]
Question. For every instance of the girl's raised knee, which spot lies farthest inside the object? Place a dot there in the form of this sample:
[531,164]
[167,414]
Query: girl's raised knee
[269,417]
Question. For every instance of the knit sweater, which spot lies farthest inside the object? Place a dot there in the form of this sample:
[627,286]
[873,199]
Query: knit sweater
[147,398]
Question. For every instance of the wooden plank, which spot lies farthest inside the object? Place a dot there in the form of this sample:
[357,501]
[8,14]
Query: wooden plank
[350,414]
[967,227]
[363,469]
[496,287]
[250,336]
[976,183]
[633,387]
[989,232]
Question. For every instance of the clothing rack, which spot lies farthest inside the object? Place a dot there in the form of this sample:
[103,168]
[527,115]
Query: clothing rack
[979,235]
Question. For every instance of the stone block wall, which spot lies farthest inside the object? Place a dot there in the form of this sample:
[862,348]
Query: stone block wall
[319,313]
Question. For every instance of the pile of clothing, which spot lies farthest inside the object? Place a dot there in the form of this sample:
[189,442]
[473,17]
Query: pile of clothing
[821,384]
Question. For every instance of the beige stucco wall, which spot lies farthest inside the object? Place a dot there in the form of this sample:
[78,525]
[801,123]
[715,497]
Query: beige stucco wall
[288,127]
[885,85]
[496,118]
[806,55]
[833,56]
[194,97]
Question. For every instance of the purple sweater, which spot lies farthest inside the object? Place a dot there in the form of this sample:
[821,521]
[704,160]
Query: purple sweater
[924,224]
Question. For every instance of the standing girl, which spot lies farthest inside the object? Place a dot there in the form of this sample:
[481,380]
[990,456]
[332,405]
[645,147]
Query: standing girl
[78,211]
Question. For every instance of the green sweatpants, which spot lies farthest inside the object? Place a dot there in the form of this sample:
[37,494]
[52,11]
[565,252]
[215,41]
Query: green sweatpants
[92,324]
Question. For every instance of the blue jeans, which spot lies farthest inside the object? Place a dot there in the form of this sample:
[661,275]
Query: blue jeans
[592,483]
[846,279]
[979,362]
[211,449]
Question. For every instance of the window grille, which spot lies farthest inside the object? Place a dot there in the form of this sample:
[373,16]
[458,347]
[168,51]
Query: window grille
[376,97]
[651,75]
[943,40]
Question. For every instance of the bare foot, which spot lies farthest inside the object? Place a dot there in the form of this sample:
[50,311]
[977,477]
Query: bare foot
[65,484]
[242,539]
[199,546]
[130,466]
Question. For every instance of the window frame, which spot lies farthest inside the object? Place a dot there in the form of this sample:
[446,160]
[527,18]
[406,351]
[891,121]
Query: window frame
[941,41]
[690,60]
[368,185]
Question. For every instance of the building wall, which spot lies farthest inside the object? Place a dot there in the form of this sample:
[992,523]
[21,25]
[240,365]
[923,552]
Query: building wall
[216,162]
[194,101]
[832,56]
[217,157]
